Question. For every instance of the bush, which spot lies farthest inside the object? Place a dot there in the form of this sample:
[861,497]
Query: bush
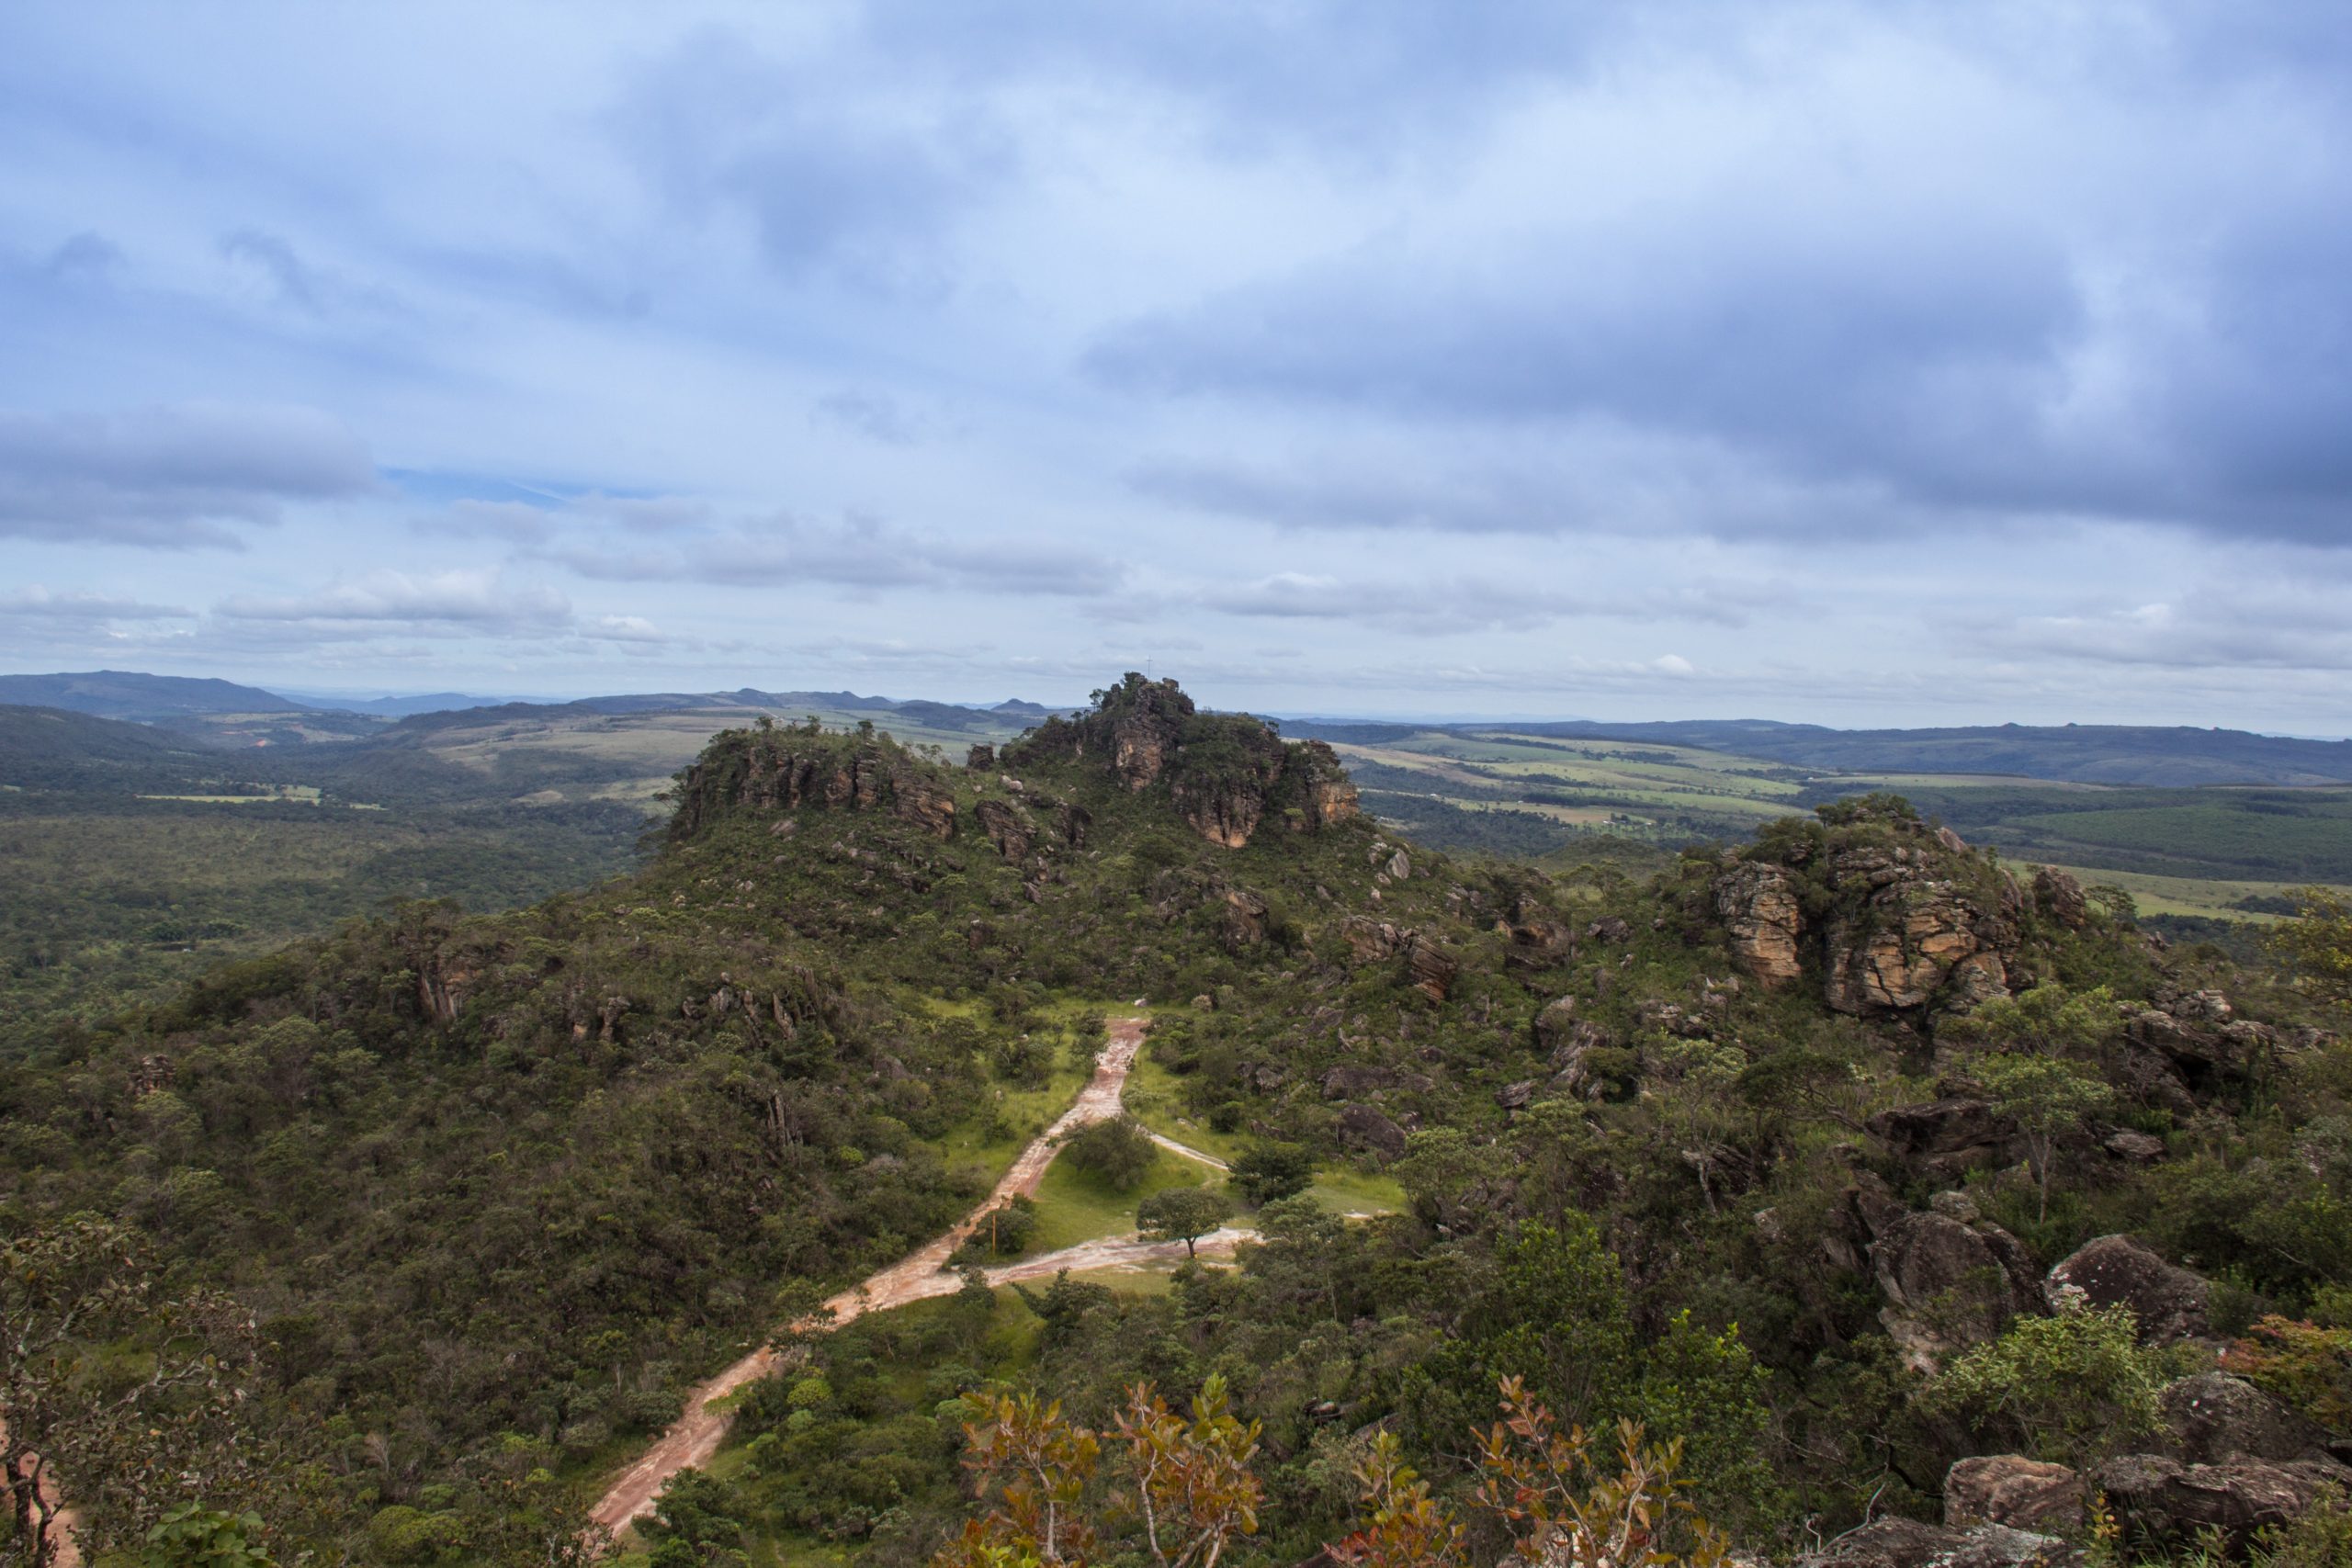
[1271,1171]
[1118,1153]
[2072,1388]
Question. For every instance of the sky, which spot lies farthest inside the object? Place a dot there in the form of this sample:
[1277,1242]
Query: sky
[1886,364]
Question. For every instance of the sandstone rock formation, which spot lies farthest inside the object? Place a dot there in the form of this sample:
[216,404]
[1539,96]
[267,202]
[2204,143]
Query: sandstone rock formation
[1226,774]
[2061,898]
[1949,1284]
[2162,1497]
[1945,1137]
[1361,1127]
[2010,1489]
[789,770]
[2116,1270]
[1908,1544]
[1914,936]
[2215,1417]
[1759,909]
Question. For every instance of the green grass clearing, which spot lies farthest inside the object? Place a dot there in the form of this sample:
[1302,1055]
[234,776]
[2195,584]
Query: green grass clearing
[1074,1206]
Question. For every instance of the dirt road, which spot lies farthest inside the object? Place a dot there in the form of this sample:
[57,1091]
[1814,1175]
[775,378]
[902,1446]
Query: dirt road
[699,1429]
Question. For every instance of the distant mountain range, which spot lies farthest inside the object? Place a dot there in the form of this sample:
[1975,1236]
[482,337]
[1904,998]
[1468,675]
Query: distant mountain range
[159,699]
[222,712]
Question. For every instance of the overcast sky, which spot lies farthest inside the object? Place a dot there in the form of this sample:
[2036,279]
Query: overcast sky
[1871,363]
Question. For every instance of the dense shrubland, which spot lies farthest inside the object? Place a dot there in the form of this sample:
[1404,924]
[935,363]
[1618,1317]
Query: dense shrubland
[494,1188]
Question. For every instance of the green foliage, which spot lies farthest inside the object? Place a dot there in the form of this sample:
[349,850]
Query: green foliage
[1266,1172]
[2072,1389]
[1117,1152]
[1182,1213]
[2317,944]
[193,1535]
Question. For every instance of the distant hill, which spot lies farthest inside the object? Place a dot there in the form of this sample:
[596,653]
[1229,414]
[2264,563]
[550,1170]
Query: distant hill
[2148,756]
[118,693]
[398,707]
[48,747]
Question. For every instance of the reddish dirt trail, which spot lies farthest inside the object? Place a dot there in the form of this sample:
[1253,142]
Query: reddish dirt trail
[699,1430]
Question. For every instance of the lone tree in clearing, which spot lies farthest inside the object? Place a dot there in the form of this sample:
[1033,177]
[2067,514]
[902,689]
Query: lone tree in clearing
[1182,1213]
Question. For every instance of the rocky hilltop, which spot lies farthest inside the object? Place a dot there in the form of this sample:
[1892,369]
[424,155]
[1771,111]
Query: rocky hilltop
[1226,774]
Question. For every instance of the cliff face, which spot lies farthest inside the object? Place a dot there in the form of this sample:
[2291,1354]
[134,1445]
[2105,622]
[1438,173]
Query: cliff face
[1227,775]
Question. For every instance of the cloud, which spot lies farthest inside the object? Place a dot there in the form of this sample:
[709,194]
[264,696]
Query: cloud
[479,599]
[2226,628]
[870,414]
[854,180]
[36,601]
[170,476]
[858,552]
[1441,605]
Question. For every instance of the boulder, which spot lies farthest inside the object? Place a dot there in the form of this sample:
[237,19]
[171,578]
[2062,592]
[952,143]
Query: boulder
[1609,928]
[1430,967]
[2139,1148]
[1363,1127]
[1908,1544]
[1758,906]
[1944,1137]
[2155,1496]
[1555,1024]
[1368,939]
[2215,1417]
[1913,941]
[1007,827]
[1949,1285]
[981,758]
[2060,897]
[1244,916]
[2010,1489]
[2115,1271]
[1516,1096]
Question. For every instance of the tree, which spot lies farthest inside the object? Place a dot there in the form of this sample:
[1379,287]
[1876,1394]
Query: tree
[1402,1526]
[1118,1151]
[1182,1213]
[118,1399]
[2027,1074]
[2317,944]
[1037,1463]
[1193,1480]
[2044,1095]
[1272,1171]
[1563,1508]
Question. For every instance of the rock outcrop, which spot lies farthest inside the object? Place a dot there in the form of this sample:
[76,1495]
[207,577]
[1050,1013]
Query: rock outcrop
[1945,1137]
[1760,913]
[1950,1284]
[1226,773]
[1914,939]
[2010,1489]
[792,770]
[2215,1417]
[1908,1544]
[1428,967]
[1898,918]
[2161,1497]
[2115,1271]
[1361,1127]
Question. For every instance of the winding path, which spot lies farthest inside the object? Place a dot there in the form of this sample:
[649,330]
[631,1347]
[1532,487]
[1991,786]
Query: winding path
[698,1431]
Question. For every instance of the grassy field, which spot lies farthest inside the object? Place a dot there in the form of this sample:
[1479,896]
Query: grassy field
[1075,1206]
[1562,803]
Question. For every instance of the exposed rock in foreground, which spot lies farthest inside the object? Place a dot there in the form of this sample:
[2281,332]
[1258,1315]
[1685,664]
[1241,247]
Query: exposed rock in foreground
[2010,1489]
[2115,1271]
[1908,1544]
